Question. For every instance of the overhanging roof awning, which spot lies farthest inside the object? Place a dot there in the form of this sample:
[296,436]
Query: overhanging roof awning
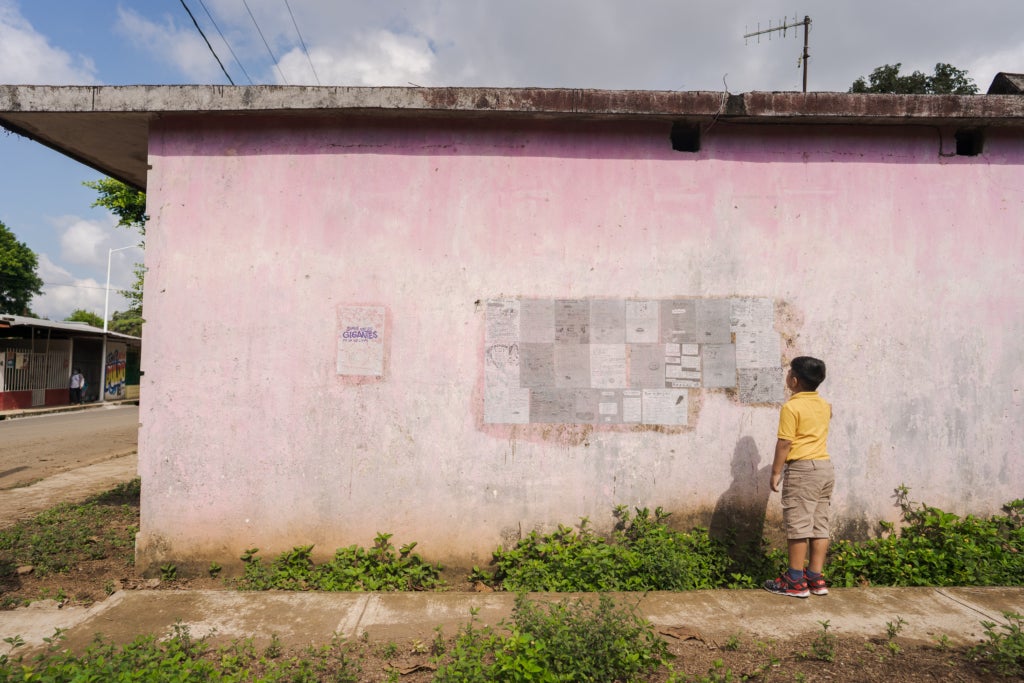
[107,127]
[9,321]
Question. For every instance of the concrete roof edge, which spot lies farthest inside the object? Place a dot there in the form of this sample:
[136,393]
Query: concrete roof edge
[107,127]
[754,106]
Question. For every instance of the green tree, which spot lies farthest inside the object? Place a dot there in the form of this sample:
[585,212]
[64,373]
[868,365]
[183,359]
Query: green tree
[945,80]
[127,322]
[81,315]
[18,279]
[129,205]
[125,202]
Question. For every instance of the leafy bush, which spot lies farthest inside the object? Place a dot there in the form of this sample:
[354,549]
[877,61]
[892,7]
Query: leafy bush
[936,548]
[353,568]
[642,554]
[564,641]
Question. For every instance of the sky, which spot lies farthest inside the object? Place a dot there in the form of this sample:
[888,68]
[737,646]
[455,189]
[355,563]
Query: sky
[609,44]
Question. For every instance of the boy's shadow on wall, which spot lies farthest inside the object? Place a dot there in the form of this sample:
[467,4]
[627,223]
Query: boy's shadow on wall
[739,516]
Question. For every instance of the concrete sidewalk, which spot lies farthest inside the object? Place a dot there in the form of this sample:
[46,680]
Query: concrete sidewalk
[72,486]
[300,619]
[46,410]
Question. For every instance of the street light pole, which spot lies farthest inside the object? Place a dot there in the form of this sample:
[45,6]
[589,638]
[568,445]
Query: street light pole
[106,313]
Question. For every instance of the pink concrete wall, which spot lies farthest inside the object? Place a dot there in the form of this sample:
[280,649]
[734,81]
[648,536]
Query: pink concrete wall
[896,263]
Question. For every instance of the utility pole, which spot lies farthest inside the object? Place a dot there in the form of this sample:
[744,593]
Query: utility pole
[785,26]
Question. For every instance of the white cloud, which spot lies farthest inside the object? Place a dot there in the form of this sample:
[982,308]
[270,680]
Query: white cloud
[63,293]
[376,58]
[985,67]
[181,47]
[26,56]
[84,242]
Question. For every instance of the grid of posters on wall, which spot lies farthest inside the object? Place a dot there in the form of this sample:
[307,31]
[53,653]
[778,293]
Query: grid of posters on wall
[622,361]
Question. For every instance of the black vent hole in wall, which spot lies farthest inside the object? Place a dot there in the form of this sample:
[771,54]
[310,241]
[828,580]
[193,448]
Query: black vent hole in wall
[685,137]
[968,142]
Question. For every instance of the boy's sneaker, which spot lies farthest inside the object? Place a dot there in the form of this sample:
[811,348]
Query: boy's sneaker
[817,586]
[786,586]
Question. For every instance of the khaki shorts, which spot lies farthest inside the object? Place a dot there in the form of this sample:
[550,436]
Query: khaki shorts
[807,498]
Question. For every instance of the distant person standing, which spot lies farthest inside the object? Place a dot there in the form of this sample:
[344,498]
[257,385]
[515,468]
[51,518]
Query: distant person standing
[76,386]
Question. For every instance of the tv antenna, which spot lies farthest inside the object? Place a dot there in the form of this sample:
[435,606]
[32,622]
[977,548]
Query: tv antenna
[784,26]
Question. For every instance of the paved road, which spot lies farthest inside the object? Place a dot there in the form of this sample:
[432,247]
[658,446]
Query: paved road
[35,448]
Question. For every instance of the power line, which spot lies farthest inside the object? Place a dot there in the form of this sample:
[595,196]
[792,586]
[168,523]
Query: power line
[222,37]
[302,42]
[212,51]
[61,284]
[265,43]
[8,280]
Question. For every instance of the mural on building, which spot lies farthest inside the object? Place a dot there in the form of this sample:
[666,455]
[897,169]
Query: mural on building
[114,374]
[625,361]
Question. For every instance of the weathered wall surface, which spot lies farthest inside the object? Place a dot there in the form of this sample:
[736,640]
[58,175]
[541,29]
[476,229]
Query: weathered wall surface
[895,262]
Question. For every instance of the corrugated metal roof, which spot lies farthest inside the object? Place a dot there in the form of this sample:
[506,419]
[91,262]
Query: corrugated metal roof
[24,321]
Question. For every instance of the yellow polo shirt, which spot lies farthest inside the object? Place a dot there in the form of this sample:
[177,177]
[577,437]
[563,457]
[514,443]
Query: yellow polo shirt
[804,421]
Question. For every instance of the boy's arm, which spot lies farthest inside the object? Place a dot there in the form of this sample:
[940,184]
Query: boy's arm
[782,447]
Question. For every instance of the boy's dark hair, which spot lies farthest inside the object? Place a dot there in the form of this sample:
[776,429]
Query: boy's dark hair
[810,371]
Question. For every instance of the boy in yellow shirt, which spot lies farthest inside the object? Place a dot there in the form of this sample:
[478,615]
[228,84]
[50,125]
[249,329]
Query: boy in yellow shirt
[801,451]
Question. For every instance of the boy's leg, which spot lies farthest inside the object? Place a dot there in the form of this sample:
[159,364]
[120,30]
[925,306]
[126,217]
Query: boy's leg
[819,548]
[798,553]
[792,582]
[798,520]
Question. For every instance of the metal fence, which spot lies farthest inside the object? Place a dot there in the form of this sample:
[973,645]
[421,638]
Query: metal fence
[24,370]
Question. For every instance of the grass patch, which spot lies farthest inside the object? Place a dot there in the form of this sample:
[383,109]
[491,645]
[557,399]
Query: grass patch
[63,536]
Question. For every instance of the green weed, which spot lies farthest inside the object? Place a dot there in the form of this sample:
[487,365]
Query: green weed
[641,554]
[64,536]
[568,640]
[274,649]
[718,673]
[380,568]
[893,629]
[936,548]
[178,659]
[823,646]
[1004,646]
[389,651]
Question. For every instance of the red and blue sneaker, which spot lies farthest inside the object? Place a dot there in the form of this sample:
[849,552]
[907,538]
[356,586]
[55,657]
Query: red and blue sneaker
[817,586]
[787,586]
